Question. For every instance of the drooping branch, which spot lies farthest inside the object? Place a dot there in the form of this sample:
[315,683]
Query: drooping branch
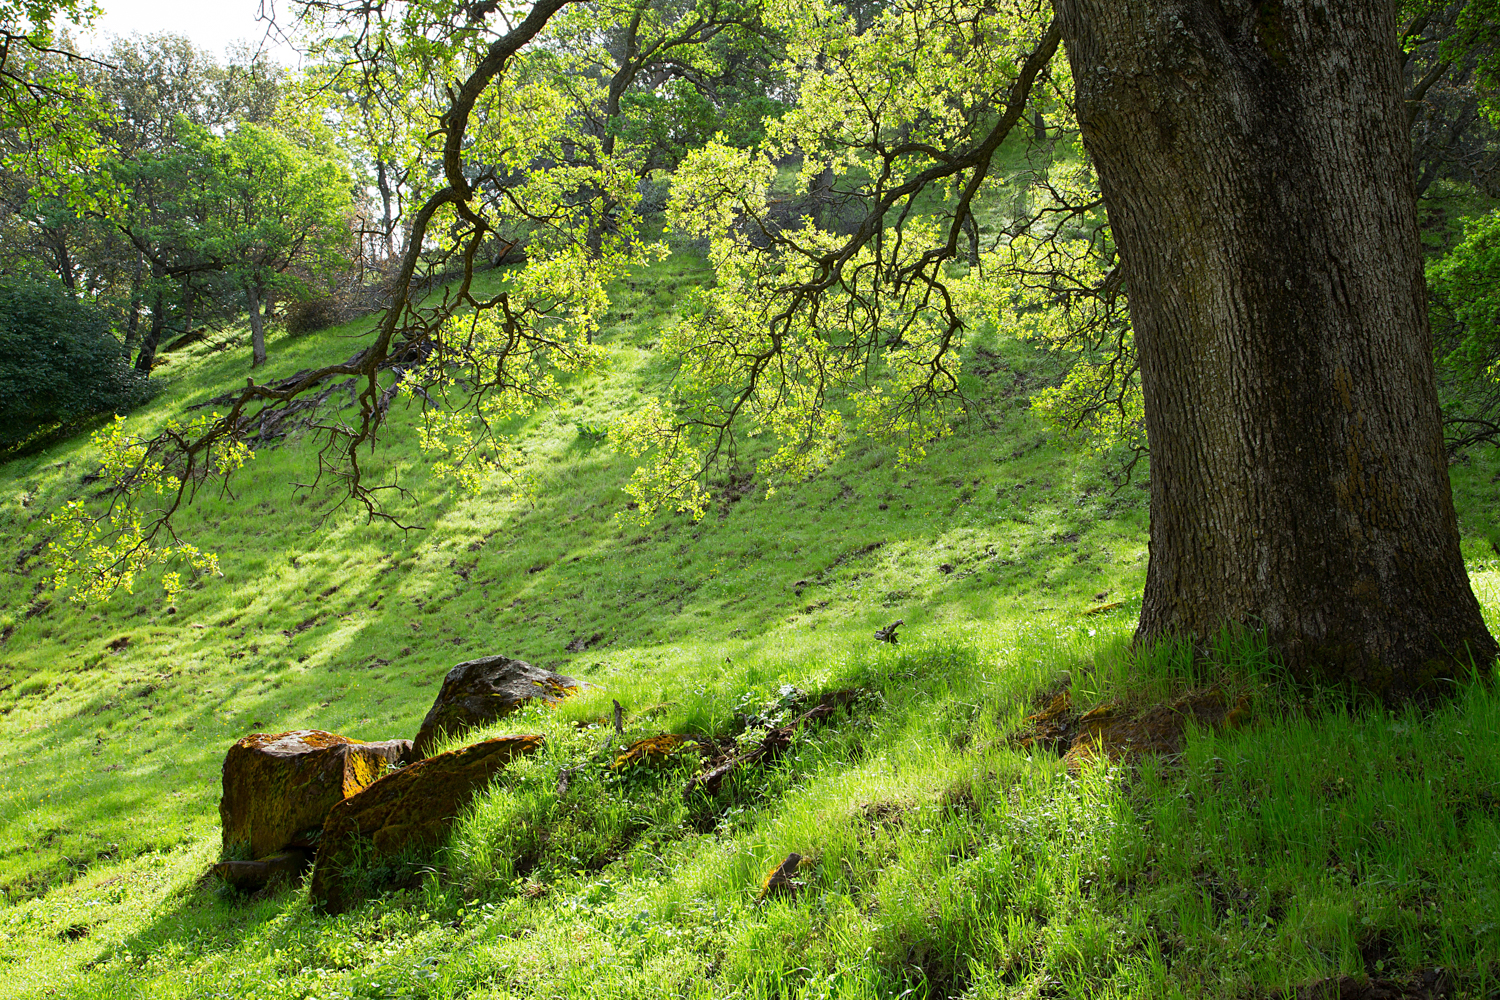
[859,295]
[404,333]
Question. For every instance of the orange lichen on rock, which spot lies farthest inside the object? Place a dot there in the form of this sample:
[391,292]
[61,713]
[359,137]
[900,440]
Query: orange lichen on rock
[410,808]
[782,878]
[278,787]
[655,749]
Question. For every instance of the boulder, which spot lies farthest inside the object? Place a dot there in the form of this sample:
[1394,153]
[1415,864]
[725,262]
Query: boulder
[279,787]
[407,810]
[477,692]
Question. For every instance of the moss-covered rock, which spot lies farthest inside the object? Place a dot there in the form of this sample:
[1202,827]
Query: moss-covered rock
[658,749]
[408,809]
[782,878]
[279,787]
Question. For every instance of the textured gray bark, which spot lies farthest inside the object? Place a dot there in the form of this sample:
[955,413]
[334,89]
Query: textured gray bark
[147,356]
[257,325]
[133,326]
[1257,172]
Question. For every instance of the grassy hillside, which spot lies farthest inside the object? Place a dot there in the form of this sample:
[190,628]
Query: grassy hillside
[944,860]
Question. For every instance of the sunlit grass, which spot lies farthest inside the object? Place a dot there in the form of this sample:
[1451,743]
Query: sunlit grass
[943,861]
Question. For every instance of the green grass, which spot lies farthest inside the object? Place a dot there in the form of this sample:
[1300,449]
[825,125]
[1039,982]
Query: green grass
[944,862]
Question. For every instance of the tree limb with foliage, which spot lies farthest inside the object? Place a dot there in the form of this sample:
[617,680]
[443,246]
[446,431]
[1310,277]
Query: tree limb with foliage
[484,358]
[899,124]
[48,117]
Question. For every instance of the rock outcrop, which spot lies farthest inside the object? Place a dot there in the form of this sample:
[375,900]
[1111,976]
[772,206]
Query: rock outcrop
[279,787]
[409,809]
[477,692]
[659,749]
[783,878]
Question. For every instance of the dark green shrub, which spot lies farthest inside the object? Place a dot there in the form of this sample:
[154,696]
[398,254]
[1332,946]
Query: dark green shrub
[58,361]
[311,315]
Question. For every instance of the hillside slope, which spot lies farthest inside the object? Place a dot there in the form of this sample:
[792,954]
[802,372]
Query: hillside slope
[945,861]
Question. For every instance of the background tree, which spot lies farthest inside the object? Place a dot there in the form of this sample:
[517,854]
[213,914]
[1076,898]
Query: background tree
[47,115]
[381,109]
[672,74]
[48,137]
[159,89]
[277,217]
[87,230]
[650,79]
[1466,309]
[1453,136]
[164,209]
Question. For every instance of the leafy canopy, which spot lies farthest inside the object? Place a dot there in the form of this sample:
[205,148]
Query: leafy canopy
[846,315]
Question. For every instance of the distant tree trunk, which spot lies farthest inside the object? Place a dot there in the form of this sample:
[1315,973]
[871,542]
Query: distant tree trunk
[1256,165]
[820,193]
[387,215]
[1436,149]
[257,325]
[190,295]
[133,324]
[64,263]
[147,357]
[625,73]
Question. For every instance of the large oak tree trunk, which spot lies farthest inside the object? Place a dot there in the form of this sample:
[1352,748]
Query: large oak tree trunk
[1257,172]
